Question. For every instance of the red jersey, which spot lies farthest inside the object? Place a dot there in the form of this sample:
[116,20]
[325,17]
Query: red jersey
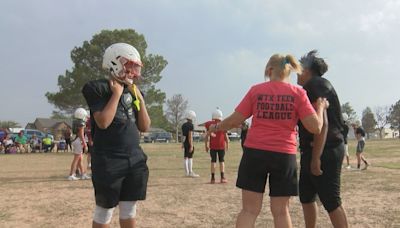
[276,108]
[217,139]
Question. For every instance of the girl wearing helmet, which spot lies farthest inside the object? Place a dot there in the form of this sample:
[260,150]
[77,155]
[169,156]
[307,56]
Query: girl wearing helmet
[119,169]
[345,132]
[217,143]
[187,143]
[78,144]
[270,147]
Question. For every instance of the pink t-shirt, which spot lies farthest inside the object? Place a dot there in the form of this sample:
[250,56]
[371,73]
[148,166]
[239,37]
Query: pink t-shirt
[276,108]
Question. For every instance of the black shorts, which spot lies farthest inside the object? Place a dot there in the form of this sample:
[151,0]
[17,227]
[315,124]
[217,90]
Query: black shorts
[214,153]
[89,149]
[360,146]
[116,179]
[187,153]
[257,166]
[327,186]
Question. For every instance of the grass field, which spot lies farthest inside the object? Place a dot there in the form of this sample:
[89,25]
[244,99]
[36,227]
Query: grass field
[35,192]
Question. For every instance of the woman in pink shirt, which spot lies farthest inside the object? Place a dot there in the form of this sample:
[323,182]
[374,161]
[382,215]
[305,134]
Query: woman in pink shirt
[270,147]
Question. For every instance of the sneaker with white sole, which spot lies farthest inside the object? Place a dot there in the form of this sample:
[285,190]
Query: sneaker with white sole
[73,178]
[85,177]
[192,174]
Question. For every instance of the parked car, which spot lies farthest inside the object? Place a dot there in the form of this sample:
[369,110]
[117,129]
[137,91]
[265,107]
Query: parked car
[29,132]
[233,136]
[158,137]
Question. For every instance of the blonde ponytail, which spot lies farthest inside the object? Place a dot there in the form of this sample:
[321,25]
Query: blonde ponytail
[283,65]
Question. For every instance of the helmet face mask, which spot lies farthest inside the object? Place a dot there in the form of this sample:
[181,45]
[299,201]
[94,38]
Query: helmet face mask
[123,62]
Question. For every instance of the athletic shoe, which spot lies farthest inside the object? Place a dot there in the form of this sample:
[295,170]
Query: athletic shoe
[85,177]
[212,181]
[192,174]
[365,167]
[73,178]
[89,165]
[223,181]
[348,167]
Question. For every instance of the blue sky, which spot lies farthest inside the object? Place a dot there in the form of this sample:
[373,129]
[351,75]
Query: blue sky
[216,49]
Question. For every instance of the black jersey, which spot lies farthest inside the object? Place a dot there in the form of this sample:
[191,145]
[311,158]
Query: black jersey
[186,128]
[76,124]
[345,132]
[320,87]
[360,131]
[122,137]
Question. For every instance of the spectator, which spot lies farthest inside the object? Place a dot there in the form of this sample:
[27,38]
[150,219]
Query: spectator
[48,144]
[9,146]
[35,143]
[21,142]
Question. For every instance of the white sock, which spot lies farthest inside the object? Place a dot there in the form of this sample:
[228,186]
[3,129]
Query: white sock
[186,165]
[190,165]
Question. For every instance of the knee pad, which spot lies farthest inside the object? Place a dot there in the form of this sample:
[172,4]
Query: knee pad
[127,209]
[102,215]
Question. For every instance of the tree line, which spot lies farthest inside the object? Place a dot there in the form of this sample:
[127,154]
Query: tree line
[376,120]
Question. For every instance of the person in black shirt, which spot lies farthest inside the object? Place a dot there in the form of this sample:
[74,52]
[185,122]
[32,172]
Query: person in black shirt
[118,114]
[345,132]
[359,132]
[187,145]
[243,134]
[321,154]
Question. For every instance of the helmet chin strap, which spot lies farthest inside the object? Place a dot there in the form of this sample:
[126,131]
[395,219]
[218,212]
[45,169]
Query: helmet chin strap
[129,82]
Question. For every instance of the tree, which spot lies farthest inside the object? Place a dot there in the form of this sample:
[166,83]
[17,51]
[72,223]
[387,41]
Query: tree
[382,119]
[87,66]
[60,115]
[394,116]
[176,107]
[346,108]
[9,124]
[368,121]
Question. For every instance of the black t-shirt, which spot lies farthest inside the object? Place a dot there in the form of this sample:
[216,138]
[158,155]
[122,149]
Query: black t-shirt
[345,132]
[76,124]
[186,128]
[121,138]
[320,87]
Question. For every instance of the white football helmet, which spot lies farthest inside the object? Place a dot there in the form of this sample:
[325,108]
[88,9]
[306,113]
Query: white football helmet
[217,114]
[345,117]
[112,59]
[191,115]
[80,113]
[357,123]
